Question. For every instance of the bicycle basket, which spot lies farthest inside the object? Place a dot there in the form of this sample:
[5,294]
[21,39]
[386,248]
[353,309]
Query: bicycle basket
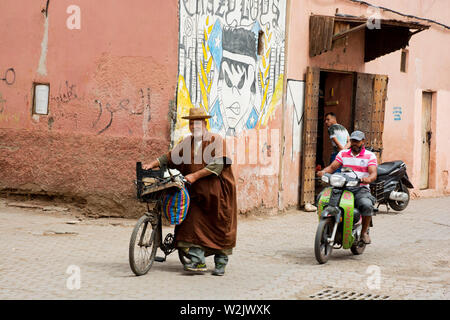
[153,185]
[175,205]
[146,178]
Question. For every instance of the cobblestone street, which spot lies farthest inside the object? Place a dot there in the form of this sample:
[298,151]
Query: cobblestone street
[274,258]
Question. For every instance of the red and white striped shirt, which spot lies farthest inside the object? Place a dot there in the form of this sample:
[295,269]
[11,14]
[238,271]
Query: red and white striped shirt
[359,163]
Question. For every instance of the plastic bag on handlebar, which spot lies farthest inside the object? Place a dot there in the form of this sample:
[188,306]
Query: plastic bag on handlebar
[175,205]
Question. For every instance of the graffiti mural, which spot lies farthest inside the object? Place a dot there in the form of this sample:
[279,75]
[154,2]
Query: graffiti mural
[231,62]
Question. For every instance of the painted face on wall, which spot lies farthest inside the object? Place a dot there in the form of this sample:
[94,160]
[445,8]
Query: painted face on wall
[236,91]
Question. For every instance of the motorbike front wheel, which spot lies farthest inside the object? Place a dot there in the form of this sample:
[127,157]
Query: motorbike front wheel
[358,248]
[322,249]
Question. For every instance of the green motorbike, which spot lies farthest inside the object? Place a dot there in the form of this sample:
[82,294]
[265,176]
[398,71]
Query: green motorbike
[340,223]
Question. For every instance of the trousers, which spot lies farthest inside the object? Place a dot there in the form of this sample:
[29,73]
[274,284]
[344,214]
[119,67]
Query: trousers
[364,201]
[197,255]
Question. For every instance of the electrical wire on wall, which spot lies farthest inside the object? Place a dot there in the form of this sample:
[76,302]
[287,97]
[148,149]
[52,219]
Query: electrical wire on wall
[399,13]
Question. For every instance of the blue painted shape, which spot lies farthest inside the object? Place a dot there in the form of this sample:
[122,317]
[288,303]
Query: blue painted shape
[252,119]
[215,43]
[216,120]
[397,113]
[256,28]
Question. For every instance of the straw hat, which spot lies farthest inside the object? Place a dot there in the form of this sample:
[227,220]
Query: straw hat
[196,113]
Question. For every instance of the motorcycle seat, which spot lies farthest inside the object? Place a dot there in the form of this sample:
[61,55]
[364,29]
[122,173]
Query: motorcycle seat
[387,167]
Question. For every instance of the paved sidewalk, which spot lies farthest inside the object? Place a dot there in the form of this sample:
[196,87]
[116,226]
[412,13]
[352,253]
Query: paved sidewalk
[274,259]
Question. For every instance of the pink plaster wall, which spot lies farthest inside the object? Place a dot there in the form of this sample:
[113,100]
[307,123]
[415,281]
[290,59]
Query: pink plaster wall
[111,86]
[123,52]
[428,69]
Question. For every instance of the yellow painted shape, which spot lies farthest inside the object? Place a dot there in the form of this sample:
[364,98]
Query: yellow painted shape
[265,94]
[205,55]
[276,98]
[261,79]
[208,66]
[183,104]
[203,91]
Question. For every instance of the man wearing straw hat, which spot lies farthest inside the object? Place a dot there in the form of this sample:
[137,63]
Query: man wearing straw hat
[210,226]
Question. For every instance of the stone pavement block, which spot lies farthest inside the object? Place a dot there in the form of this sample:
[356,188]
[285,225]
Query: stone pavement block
[274,259]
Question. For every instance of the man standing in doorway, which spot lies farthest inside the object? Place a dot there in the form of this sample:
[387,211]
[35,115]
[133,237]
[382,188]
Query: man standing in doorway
[339,136]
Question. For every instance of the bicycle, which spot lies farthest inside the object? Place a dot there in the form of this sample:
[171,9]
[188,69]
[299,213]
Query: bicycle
[146,237]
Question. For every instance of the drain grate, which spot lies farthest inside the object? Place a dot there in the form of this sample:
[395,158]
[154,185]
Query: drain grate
[331,294]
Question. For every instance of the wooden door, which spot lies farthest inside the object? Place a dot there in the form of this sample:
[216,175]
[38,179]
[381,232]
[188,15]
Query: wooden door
[370,98]
[426,139]
[338,94]
[309,136]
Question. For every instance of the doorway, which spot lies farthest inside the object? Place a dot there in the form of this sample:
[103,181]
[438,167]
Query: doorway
[357,99]
[335,96]
[426,135]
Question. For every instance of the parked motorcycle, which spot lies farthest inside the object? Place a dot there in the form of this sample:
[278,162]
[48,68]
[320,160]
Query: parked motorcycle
[391,186]
[340,223]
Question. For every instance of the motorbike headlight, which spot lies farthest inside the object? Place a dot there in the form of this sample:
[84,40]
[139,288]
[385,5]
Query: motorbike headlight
[337,180]
[353,183]
[325,179]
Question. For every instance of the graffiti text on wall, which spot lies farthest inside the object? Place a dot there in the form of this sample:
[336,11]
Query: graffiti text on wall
[235,12]
[9,76]
[223,67]
[123,105]
[65,94]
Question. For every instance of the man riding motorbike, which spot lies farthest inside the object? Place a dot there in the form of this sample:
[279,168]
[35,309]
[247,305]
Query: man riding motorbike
[364,164]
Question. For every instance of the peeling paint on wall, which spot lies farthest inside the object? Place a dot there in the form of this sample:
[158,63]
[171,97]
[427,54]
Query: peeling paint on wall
[42,67]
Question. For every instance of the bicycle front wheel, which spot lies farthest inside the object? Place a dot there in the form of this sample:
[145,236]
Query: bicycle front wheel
[143,246]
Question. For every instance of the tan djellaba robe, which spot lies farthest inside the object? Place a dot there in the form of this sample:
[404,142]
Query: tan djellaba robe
[211,221]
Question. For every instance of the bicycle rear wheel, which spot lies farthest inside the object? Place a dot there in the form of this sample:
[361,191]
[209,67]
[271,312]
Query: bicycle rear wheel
[143,245]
